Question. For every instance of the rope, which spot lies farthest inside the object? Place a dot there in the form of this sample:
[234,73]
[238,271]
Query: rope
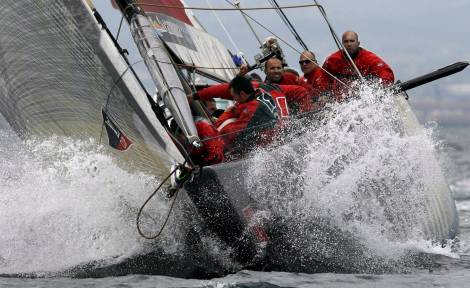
[108,98]
[224,9]
[141,233]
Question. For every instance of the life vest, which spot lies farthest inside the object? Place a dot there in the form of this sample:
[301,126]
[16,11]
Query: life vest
[249,124]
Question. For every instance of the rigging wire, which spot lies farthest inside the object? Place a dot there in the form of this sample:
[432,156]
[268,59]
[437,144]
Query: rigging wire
[269,123]
[288,44]
[337,41]
[289,25]
[254,20]
[223,26]
[223,9]
[237,4]
[120,26]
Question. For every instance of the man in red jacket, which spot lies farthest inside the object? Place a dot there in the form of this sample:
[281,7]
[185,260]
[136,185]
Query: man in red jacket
[313,74]
[251,120]
[275,73]
[286,97]
[369,64]
[212,149]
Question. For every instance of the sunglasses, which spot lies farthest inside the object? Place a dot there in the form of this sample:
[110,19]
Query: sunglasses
[305,62]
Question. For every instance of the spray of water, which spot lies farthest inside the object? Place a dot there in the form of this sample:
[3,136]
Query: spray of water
[356,170]
[64,202]
[350,189]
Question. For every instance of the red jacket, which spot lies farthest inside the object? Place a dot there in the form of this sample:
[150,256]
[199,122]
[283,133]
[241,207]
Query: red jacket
[212,150]
[369,64]
[246,124]
[319,80]
[287,78]
[286,96]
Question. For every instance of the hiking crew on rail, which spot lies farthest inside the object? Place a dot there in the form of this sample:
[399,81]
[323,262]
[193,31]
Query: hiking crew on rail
[261,106]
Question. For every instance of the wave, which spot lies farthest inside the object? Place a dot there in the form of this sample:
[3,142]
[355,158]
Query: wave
[63,202]
[353,168]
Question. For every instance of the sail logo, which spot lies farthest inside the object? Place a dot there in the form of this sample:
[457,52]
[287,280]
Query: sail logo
[172,30]
[117,139]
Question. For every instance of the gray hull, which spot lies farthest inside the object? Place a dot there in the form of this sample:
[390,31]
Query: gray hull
[442,221]
[223,193]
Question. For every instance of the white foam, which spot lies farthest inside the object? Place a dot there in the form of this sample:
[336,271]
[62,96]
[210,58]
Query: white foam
[64,202]
[461,187]
[381,181]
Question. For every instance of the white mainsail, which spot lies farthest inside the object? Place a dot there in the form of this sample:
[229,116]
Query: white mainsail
[60,69]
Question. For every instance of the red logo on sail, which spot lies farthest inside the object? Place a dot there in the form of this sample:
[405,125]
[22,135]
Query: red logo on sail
[117,139]
[165,7]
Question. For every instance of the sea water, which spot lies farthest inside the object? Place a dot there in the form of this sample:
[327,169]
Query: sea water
[64,203]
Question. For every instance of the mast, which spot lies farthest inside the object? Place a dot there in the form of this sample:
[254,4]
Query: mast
[161,67]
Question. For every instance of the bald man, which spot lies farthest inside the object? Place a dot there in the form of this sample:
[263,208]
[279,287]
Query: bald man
[313,74]
[370,65]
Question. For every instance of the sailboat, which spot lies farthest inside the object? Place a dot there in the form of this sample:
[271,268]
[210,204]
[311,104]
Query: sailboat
[63,73]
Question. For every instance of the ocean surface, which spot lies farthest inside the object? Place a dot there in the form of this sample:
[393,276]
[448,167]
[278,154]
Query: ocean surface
[55,215]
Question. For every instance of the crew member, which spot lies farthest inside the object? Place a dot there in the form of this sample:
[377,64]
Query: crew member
[275,73]
[314,75]
[370,65]
[288,98]
[211,106]
[250,120]
[212,149]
